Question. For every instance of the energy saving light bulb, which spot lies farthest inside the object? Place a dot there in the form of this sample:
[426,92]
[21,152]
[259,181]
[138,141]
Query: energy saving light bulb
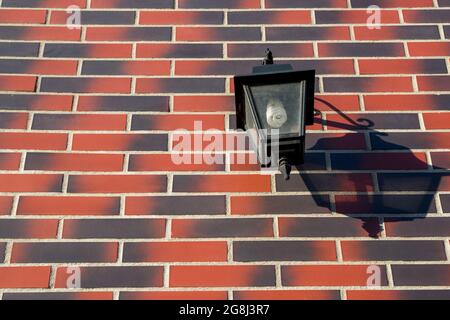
[276,115]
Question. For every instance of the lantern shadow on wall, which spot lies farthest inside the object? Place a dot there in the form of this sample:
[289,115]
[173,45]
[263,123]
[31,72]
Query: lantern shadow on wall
[417,187]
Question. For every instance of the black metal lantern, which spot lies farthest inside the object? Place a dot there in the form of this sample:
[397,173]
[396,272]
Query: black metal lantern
[274,104]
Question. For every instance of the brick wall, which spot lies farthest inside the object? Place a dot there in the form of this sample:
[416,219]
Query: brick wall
[86,128]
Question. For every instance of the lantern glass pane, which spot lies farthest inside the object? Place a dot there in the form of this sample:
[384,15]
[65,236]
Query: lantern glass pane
[280,106]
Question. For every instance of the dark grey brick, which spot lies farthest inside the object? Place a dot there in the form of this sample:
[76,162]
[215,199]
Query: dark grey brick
[427,16]
[176,205]
[107,17]
[245,251]
[114,228]
[2,252]
[444,3]
[180,50]
[60,252]
[19,49]
[381,3]
[181,85]
[428,227]
[314,182]
[118,277]
[253,50]
[408,140]
[413,32]
[43,296]
[386,204]
[421,275]
[289,204]
[193,4]
[140,34]
[393,250]
[302,33]
[78,85]
[99,67]
[71,50]
[124,103]
[305,4]
[445,201]
[157,4]
[361,49]
[327,227]
[222,228]
[411,181]
[370,121]
[447,32]
[26,228]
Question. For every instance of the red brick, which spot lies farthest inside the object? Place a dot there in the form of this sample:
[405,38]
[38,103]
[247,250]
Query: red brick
[164,162]
[60,205]
[286,295]
[433,83]
[174,295]
[79,122]
[327,275]
[435,121]
[117,183]
[22,16]
[177,122]
[18,83]
[393,66]
[222,183]
[74,162]
[5,205]
[9,161]
[204,103]
[222,276]
[13,120]
[30,183]
[429,49]
[24,277]
[206,251]
[33,141]
[405,102]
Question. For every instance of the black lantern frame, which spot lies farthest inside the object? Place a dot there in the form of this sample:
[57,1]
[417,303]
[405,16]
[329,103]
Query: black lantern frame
[291,146]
